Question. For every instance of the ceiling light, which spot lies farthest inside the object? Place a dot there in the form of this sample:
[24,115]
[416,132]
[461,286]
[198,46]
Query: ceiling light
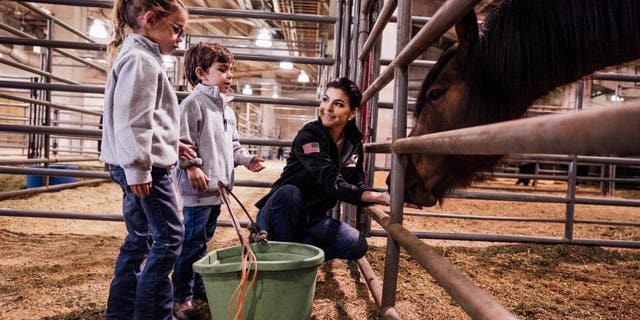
[616,98]
[264,38]
[303,77]
[98,30]
[247,90]
[37,49]
[286,65]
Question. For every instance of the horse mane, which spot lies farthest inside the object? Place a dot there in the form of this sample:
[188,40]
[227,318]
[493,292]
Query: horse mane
[528,47]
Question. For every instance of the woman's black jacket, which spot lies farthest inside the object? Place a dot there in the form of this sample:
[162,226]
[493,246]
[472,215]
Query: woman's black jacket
[322,174]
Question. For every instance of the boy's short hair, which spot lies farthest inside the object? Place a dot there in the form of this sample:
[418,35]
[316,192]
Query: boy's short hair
[203,55]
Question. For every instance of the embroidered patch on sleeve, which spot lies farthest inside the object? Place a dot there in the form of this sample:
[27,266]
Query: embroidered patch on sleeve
[352,161]
[311,147]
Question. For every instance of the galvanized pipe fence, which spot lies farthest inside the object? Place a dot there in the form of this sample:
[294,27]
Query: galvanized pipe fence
[400,146]
[451,12]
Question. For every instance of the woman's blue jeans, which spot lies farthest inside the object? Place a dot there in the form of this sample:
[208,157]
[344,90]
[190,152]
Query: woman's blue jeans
[284,220]
[199,226]
[141,288]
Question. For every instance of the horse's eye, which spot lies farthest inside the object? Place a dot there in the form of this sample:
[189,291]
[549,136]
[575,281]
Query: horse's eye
[435,94]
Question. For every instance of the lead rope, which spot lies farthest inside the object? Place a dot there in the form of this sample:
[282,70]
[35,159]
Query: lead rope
[248,262]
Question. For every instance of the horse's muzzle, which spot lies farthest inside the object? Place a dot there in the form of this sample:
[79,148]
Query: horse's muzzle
[415,193]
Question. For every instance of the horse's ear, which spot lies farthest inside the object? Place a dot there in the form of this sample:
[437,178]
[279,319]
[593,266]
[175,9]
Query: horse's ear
[467,31]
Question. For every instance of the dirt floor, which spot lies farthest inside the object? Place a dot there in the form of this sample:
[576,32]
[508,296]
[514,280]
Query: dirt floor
[61,269]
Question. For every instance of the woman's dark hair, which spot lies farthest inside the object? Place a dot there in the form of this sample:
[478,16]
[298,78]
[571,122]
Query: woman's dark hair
[350,88]
[203,55]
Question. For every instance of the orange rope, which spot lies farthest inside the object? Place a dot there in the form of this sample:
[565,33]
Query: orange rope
[248,263]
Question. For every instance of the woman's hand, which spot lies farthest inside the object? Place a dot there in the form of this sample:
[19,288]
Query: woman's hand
[187,151]
[256,164]
[198,178]
[141,190]
[382,198]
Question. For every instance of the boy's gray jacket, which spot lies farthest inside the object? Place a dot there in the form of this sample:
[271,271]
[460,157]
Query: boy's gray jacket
[208,123]
[140,119]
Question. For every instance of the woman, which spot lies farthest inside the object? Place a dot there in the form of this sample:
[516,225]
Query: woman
[325,166]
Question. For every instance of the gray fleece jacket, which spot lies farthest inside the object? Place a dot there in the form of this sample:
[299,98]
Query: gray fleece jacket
[140,119]
[208,123]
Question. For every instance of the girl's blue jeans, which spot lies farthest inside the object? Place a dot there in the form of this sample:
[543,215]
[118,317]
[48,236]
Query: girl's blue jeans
[284,220]
[141,288]
[199,226]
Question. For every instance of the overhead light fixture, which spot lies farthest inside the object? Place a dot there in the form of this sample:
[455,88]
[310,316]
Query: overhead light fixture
[264,38]
[275,92]
[37,49]
[616,98]
[286,65]
[247,90]
[98,30]
[303,77]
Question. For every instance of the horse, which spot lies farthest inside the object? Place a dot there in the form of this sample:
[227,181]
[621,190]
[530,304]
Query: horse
[494,72]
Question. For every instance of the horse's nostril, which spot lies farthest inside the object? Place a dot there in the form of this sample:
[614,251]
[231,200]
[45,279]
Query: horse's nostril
[421,197]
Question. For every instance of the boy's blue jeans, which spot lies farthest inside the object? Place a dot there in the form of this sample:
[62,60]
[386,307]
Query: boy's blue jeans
[199,226]
[283,220]
[141,288]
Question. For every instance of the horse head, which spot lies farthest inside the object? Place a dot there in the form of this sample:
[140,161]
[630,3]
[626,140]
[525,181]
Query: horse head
[524,49]
[442,105]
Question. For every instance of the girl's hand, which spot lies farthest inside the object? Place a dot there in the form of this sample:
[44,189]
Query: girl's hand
[256,164]
[197,178]
[141,190]
[187,151]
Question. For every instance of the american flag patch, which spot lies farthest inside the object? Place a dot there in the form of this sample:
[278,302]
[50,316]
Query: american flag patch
[352,161]
[311,147]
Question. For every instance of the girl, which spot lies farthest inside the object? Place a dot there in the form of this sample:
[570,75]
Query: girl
[140,146]
[325,166]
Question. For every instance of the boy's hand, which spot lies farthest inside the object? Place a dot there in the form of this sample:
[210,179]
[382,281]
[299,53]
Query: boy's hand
[256,164]
[141,190]
[197,178]
[187,151]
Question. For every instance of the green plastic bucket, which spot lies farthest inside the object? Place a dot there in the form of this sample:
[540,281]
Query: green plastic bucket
[284,288]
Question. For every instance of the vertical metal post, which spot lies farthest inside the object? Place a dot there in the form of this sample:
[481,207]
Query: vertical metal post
[358,24]
[337,38]
[374,72]
[346,36]
[352,213]
[573,171]
[604,185]
[612,175]
[47,113]
[359,31]
[571,198]
[397,169]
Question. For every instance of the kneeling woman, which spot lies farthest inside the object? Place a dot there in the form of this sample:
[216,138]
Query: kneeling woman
[325,166]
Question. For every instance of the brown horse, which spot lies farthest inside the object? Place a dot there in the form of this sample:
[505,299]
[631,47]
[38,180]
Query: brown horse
[524,49]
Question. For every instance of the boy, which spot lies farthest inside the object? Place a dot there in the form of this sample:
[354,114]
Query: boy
[207,123]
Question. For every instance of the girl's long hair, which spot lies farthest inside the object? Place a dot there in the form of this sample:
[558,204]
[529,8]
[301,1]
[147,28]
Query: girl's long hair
[125,15]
